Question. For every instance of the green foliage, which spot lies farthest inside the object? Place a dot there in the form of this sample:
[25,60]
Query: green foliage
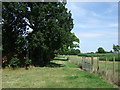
[14,62]
[74,52]
[116,48]
[20,44]
[51,24]
[28,61]
[12,27]
[66,51]
[101,50]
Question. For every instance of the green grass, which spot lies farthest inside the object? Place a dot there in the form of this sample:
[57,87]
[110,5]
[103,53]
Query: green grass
[66,76]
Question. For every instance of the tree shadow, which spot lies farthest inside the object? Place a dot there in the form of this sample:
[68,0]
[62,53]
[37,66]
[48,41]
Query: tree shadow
[61,59]
[52,65]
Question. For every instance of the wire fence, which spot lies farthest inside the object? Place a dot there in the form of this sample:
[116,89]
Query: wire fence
[109,70]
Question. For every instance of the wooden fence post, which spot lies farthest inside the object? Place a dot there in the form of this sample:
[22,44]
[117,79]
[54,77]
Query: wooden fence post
[106,66]
[97,63]
[113,67]
[92,63]
[82,62]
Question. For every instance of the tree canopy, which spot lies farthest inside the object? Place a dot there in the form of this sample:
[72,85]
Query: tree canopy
[101,50]
[51,24]
[116,48]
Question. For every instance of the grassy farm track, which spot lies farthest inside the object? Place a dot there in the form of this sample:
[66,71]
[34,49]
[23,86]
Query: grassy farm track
[63,75]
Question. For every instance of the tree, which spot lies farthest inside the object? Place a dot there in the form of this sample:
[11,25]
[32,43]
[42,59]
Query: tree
[68,47]
[74,52]
[14,62]
[116,48]
[13,29]
[101,50]
[51,23]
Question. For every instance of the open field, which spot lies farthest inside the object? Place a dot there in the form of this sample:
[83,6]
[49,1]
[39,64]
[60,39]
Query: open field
[106,68]
[60,74]
[102,56]
[102,65]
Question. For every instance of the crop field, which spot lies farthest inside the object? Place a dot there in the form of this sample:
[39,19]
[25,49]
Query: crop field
[59,74]
[103,56]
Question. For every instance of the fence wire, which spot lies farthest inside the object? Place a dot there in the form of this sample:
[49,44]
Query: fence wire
[107,69]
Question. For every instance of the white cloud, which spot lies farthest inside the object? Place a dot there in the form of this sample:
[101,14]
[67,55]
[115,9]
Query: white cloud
[80,25]
[89,35]
[98,34]
[84,18]
[94,24]
[76,10]
[113,25]
[95,14]
[111,9]
[89,15]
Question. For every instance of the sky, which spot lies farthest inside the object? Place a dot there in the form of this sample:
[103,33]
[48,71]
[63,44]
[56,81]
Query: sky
[95,24]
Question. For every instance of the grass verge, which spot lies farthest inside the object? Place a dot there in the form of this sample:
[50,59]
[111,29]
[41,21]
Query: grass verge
[68,76]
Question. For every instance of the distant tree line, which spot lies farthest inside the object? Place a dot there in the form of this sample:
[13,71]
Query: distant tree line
[69,52]
[116,49]
[51,24]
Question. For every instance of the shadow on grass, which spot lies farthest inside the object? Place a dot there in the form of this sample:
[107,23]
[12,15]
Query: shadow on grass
[60,59]
[52,65]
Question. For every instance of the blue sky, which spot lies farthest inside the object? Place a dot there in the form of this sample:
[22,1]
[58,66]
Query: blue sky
[95,24]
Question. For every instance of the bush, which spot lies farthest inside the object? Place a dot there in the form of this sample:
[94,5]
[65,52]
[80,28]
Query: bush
[14,62]
[27,62]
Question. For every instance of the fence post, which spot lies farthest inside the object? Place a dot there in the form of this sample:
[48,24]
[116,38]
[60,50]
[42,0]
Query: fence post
[97,63]
[82,62]
[106,66]
[92,63]
[113,67]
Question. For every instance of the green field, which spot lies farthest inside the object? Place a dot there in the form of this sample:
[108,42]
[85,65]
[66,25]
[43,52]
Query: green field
[60,74]
[102,64]
[102,56]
